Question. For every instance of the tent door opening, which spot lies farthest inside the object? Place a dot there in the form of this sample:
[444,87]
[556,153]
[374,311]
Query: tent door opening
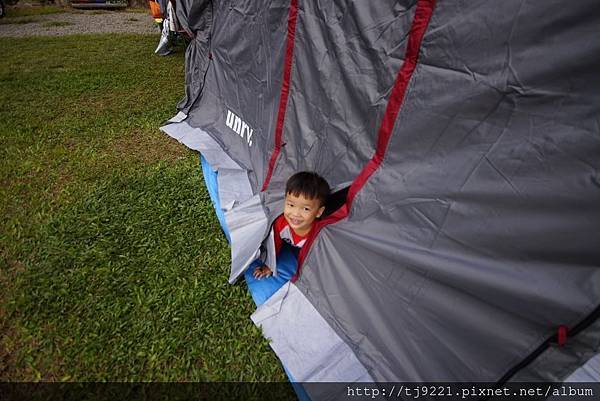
[335,201]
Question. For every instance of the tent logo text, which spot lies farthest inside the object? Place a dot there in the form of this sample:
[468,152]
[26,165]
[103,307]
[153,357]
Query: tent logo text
[239,126]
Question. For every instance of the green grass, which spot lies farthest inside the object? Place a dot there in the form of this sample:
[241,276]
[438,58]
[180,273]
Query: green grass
[112,264]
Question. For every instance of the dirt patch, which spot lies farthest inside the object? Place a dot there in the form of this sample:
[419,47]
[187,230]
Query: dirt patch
[81,22]
[147,149]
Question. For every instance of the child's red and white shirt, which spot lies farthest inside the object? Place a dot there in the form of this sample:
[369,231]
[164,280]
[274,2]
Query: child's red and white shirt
[284,233]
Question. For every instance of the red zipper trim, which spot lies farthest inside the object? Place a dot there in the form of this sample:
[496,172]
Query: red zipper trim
[285,90]
[417,30]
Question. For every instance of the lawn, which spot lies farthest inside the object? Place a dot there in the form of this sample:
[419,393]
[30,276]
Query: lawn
[112,264]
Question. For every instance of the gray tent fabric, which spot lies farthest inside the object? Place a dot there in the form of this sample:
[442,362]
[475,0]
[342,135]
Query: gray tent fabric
[470,134]
[335,360]
[195,18]
[556,362]
[487,201]
[587,373]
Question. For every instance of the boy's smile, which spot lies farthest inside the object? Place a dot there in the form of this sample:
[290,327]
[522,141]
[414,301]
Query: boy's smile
[300,212]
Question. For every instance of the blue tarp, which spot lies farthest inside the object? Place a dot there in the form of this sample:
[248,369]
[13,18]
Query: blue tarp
[262,289]
[212,185]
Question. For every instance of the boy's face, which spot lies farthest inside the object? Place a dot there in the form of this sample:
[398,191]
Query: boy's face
[300,212]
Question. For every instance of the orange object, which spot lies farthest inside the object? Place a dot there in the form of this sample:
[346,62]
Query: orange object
[155,9]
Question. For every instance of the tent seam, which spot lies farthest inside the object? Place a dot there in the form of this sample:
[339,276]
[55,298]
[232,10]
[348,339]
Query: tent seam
[285,90]
[418,27]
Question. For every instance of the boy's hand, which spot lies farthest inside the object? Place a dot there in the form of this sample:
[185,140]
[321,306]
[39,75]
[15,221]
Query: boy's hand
[262,272]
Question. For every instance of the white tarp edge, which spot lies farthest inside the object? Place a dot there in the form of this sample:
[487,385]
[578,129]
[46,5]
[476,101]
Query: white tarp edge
[306,344]
[244,214]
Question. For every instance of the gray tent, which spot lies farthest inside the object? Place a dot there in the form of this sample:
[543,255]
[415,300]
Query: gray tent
[464,140]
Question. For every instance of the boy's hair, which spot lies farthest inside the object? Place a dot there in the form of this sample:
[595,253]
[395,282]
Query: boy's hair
[308,184]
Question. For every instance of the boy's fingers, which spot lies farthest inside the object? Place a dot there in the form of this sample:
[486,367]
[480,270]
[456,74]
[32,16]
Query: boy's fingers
[260,272]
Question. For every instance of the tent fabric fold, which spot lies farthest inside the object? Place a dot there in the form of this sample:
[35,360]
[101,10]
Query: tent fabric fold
[470,232]
[315,355]
[244,216]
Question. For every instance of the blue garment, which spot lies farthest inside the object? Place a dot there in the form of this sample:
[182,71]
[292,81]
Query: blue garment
[262,289]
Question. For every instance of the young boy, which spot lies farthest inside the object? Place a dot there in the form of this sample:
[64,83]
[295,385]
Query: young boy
[305,197]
